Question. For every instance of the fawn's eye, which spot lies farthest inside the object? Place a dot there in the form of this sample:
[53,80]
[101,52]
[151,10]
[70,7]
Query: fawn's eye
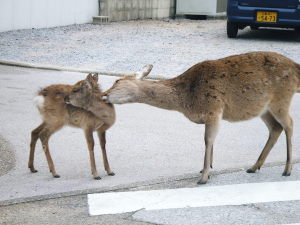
[76,90]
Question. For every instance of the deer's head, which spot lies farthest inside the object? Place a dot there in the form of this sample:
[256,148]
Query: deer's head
[127,89]
[82,90]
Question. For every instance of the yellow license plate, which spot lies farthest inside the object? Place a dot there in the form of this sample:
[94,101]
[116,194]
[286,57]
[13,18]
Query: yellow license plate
[269,17]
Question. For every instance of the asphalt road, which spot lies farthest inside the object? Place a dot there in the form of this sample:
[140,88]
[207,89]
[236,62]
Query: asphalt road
[74,210]
[148,148]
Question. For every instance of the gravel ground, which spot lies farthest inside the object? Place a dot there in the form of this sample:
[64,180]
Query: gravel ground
[171,45]
[8,158]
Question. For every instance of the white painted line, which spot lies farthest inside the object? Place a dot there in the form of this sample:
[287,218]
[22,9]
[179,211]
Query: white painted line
[237,194]
[291,224]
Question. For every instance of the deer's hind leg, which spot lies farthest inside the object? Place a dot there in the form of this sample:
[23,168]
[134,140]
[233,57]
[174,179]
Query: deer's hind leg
[34,137]
[275,130]
[44,136]
[211,131]
[90,142]
[281,114]
[102,139]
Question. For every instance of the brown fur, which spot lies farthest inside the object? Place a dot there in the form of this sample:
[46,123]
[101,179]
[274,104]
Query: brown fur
[56,113]
[83,95]
[234,88]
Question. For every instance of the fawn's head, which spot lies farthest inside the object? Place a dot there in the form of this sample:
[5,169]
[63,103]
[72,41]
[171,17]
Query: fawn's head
[82,90]
[126,89]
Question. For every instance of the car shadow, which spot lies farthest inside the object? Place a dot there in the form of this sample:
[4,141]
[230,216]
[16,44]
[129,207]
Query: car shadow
[267,34]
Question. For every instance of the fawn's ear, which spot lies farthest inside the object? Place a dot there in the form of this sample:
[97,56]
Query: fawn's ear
[95,77]
[89,76]
[143,72]
[88,81]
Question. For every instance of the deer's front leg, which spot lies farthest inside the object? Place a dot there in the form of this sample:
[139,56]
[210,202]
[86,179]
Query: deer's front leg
[211,131]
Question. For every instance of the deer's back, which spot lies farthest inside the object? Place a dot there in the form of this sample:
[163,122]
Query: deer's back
[240,86]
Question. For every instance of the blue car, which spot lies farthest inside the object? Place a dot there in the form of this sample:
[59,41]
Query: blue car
[262,13]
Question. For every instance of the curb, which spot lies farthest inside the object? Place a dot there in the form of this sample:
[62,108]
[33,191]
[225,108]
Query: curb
[71,69]
[128,187]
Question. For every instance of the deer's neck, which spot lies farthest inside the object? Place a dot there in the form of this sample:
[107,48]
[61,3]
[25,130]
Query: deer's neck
[160,94]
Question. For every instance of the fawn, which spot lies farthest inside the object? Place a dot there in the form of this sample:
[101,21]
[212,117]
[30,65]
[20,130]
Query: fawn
[56,113]
[234,88]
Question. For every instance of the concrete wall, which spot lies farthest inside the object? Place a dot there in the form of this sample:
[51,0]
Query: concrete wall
[24,14]
[120,10]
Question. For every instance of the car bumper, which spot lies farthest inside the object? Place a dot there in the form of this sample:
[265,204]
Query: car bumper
[247,16]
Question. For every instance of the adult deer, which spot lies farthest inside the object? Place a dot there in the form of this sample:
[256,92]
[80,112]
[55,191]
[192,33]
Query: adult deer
[234,88]
[56,113]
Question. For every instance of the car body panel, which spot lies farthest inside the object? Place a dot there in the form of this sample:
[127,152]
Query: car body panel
[284,4]
[244,12]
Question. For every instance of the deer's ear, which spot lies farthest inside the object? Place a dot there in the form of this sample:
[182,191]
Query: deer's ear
[95,77]
[142,73]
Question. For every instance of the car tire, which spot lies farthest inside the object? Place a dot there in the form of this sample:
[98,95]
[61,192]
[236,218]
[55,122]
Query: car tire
[297,29]
[232,29]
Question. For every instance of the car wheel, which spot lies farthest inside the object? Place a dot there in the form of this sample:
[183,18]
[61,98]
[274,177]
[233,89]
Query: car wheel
[232,29]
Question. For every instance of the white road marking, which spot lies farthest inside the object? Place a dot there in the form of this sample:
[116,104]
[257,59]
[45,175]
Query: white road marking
[237,194]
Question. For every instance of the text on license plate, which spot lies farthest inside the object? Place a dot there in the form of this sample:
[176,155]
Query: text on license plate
[269,17]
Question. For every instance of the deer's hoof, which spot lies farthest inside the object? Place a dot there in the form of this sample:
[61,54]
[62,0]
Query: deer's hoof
[250,171]
[33,170]
[202,182]
[56,176]
[286,174]
[111,174]
[97,178]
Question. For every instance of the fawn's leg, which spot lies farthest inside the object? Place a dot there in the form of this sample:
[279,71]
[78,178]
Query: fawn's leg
[34,137]
[275,130]
[44,137]
[90,142]
[102,138]
[211,131]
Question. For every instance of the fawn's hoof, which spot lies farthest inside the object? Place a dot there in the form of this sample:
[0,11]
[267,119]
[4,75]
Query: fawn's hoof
[286,174]
[111,174]
[33,170]
[250,171]
[56,176]
[202,182]
[97,178]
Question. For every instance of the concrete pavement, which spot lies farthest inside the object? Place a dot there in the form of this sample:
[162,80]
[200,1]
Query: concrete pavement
[146,145]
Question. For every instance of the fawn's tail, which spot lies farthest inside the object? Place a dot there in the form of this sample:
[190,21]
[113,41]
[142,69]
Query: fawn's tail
[39,101]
